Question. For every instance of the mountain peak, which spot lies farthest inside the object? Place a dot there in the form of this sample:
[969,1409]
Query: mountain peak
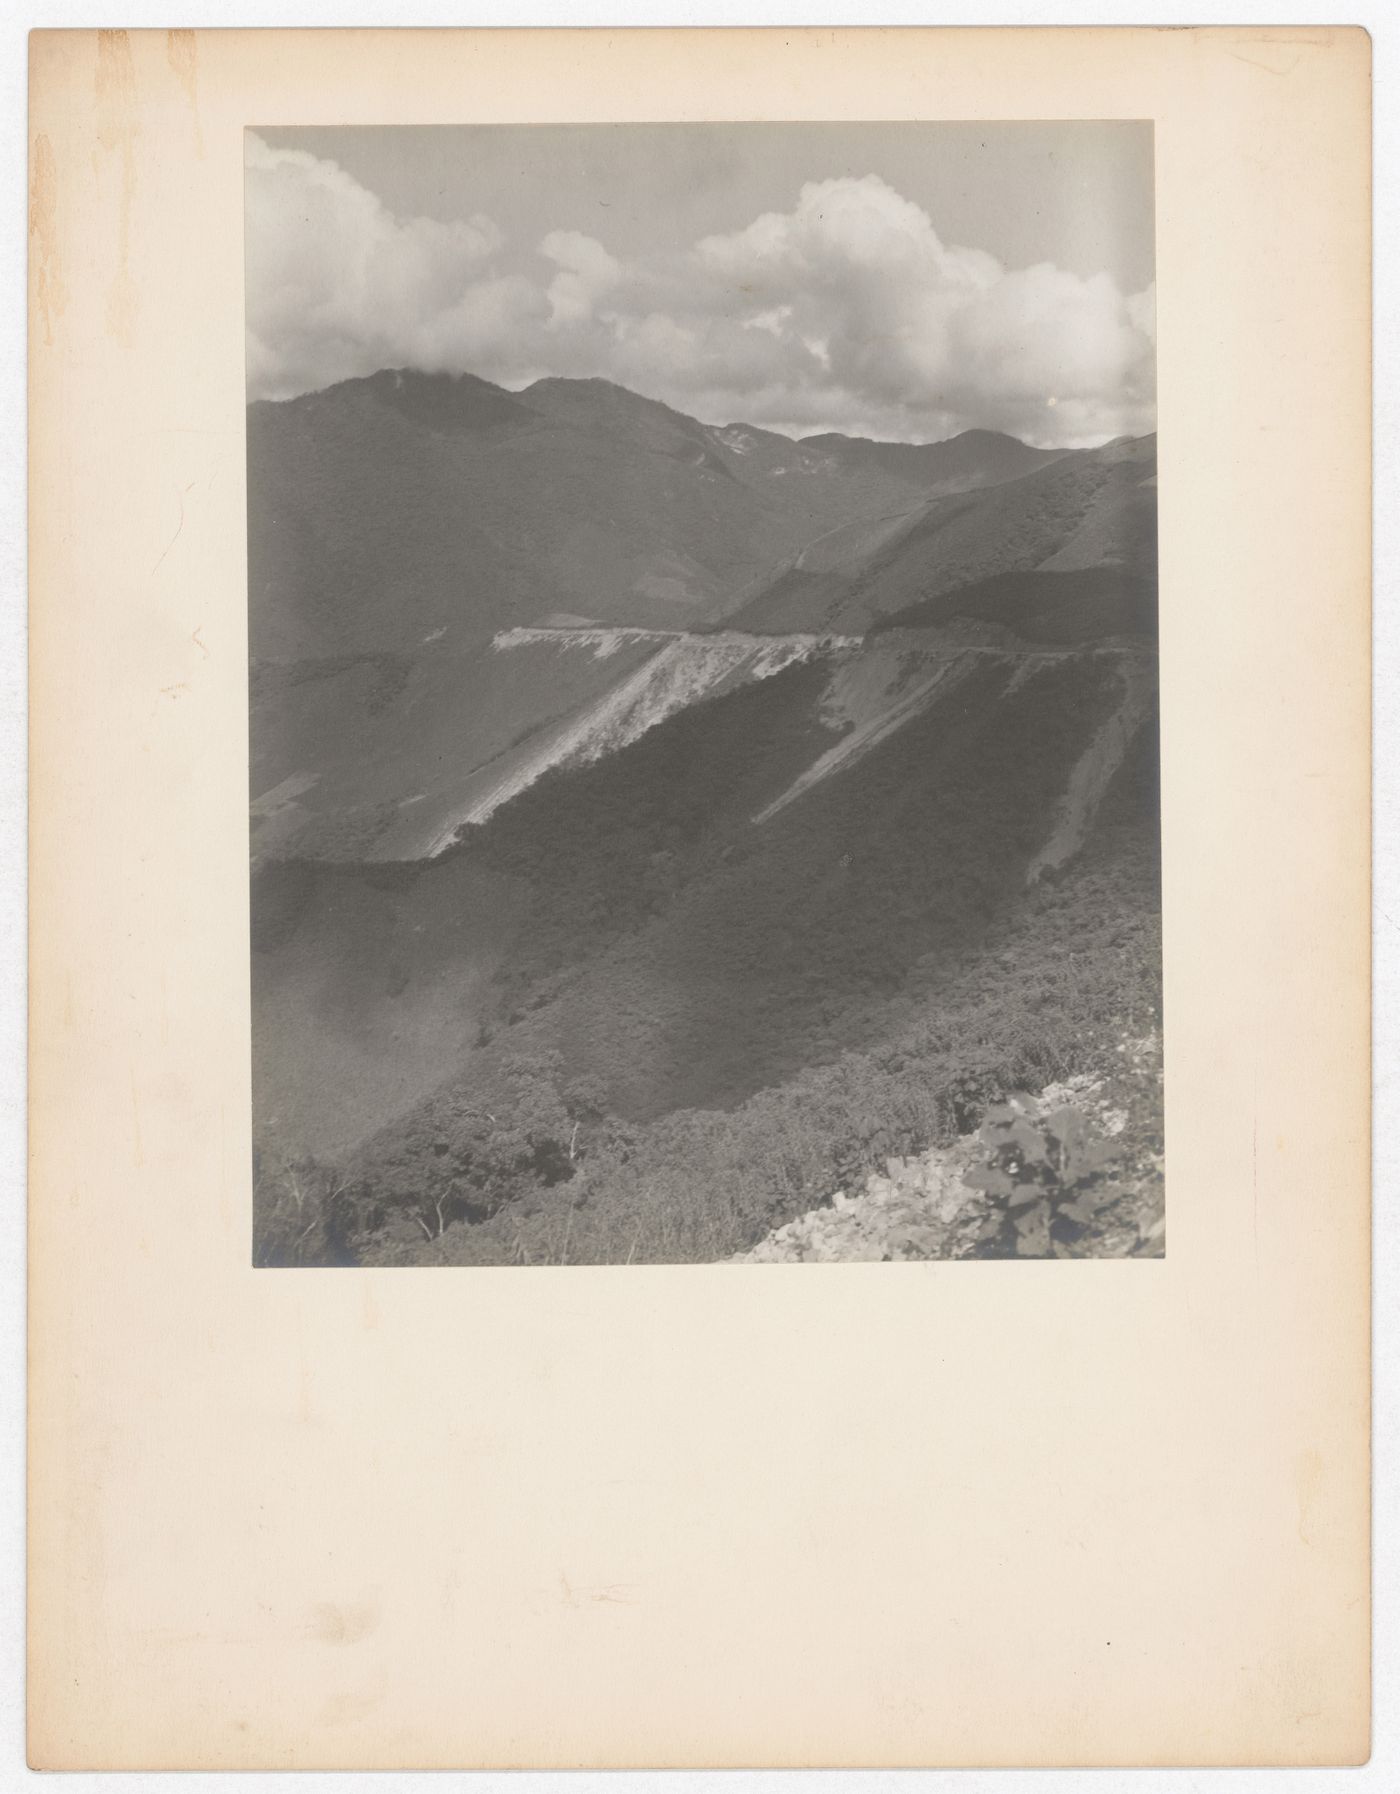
[439,401]
[564,395]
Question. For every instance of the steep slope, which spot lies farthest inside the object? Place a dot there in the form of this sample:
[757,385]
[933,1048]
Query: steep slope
[790,907]
[922,1206]
[1092,510]
[397,523]
[700,1025]
[1096,604]
[351,777]
[369,987]
[738,889]
[615,918]
[678,670]
[385,508]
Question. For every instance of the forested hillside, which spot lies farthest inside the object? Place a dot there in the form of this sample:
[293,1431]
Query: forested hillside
[680,1027]
[609,913]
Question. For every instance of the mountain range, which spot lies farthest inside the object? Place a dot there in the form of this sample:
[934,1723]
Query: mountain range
[637,782]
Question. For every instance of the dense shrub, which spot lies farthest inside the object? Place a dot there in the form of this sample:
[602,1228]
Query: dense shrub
[1046,1175]
[705,1028]
[1051,992]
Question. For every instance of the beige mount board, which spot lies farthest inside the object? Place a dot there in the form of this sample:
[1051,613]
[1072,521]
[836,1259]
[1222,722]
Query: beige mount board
[1090,1513]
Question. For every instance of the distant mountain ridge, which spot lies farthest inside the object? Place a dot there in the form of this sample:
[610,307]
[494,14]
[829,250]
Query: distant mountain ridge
[1086,510]
[400,522]
[475,505]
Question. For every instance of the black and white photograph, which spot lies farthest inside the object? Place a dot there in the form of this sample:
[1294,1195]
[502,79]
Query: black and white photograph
[703,693]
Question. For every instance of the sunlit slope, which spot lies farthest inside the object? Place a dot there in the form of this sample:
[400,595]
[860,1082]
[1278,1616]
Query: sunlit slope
[737,889]
[1091,510]
[767,902]
[373,759]
[397,524]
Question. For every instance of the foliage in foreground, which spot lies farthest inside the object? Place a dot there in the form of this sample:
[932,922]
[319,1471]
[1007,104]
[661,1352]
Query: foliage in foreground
[549,1176]
[1079,1170]
[705,1029]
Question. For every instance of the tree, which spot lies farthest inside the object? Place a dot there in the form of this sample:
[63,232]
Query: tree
[299,1213]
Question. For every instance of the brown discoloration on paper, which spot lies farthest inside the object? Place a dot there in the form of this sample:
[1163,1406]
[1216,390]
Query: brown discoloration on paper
[49,292]
[855,1505]
[182,53]
[117,127]
[343,1623]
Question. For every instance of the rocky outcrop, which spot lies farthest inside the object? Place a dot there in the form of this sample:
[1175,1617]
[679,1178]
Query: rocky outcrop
[921,1207]
[683,670]
[870,696]
[877,685]
[916,1207]
[606,641]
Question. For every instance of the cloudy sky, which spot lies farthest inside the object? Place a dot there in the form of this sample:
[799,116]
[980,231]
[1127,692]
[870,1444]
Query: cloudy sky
[903,281]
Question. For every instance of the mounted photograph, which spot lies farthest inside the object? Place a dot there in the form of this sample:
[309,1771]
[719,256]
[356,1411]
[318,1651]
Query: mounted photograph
[703,693]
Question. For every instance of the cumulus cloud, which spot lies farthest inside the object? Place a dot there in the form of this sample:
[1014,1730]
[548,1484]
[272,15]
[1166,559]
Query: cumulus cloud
[587,273]
[847,312]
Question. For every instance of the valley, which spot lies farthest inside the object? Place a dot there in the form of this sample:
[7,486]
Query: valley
[654,869]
